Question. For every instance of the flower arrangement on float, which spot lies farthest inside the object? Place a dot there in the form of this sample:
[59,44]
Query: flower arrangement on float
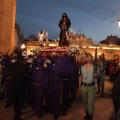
[38,50]
[73,49]
[77,51]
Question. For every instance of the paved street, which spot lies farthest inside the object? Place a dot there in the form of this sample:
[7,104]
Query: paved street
[103,108]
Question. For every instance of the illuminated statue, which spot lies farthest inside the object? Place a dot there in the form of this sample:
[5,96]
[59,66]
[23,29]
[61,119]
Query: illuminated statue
[64,25]
[41,36]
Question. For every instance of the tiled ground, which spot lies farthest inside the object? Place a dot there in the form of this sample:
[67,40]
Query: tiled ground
[103,108]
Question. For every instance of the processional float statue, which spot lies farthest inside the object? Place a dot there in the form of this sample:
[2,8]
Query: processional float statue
[41,36]
[64,25]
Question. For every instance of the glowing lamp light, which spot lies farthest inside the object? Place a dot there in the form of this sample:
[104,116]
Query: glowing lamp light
[119,23]
[23,46]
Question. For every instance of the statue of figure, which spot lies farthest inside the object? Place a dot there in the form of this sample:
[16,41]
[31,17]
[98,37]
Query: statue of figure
[41,36]
[64,25]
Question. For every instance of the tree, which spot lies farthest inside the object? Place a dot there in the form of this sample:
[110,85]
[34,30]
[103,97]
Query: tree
[33,37]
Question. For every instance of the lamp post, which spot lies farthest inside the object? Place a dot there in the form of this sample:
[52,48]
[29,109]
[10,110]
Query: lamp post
[119,22]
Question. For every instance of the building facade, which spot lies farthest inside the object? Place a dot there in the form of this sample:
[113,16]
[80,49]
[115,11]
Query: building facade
[7,25]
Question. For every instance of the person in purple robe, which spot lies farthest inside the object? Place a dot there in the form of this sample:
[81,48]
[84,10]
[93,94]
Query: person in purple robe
[67,74]
[29,89]
[39,84]
[55,88]
[48,63]
[75,78]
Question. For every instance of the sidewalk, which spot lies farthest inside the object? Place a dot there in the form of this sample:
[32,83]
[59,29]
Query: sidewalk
[103,108]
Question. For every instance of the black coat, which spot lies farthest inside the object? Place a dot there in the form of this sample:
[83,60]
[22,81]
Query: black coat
[116,89]
[20,75]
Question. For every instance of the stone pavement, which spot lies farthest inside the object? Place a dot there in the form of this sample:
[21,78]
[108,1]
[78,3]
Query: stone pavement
[103,108]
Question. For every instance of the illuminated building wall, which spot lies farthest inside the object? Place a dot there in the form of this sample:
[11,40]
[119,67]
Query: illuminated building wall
[7,25]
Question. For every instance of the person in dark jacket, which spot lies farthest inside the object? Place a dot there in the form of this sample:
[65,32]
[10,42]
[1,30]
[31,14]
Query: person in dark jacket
[1,86]
[20,75]
[116,97]
[7,79]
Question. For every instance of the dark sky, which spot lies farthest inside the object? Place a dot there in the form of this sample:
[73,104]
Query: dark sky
[95,18]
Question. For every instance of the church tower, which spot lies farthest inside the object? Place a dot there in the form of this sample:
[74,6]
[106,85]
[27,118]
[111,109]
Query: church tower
[7,25]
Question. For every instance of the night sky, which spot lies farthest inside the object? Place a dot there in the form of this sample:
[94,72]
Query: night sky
[95,18]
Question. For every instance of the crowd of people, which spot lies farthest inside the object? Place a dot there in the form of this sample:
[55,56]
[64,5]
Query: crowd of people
[49,83]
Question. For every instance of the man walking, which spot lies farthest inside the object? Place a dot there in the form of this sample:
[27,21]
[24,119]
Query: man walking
[101,78]
[88,86]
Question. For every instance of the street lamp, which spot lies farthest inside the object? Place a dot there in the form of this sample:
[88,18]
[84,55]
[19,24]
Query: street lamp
[119,22]
[23,46]
[24,53]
